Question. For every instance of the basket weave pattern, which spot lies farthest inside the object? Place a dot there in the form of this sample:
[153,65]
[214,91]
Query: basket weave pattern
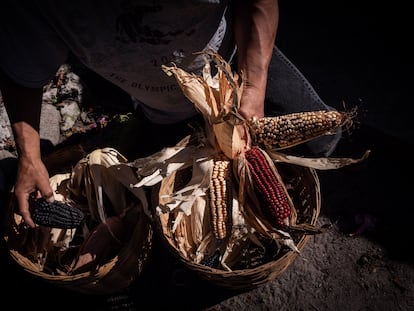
[305,193]
[45,255]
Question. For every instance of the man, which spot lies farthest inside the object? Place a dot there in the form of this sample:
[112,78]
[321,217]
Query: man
[126,42]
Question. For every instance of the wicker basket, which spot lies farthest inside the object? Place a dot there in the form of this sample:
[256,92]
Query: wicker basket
[305,194]
[116,273]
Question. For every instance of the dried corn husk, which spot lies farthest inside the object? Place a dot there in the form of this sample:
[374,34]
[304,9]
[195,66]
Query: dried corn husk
[180,203]
[92,179]
[98,263]
[317,163]
[218,99]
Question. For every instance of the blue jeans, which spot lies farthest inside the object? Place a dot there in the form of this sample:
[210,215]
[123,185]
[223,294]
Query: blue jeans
[289,91]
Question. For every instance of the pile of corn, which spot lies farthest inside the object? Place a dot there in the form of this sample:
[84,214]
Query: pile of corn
[94,216]
[233,210]
[223,195]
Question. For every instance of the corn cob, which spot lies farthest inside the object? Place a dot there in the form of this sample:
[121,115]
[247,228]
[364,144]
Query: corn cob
[220,196]
[56,214]
[272,195]
[213,260]
[288,130]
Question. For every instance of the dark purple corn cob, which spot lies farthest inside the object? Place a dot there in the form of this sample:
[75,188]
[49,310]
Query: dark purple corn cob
[213,260]
[56,214]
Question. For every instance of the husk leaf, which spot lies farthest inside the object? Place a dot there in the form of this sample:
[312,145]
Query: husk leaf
[317,163]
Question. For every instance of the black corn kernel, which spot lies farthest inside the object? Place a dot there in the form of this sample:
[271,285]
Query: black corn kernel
[56,214]
[213,260]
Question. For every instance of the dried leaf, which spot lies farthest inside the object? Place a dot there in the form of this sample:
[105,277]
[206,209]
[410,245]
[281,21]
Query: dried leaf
[193,88]
[184,197]
[200,224]
[218,99]
[317,163]
[154,168]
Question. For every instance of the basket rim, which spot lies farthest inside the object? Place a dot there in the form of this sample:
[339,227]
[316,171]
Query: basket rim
[241,278]
[119,271]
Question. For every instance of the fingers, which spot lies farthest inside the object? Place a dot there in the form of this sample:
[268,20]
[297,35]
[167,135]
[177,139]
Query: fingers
[49,197]
[47,194]
[32,182]
[45,188]
[23,205]
[252,103]
[23,201]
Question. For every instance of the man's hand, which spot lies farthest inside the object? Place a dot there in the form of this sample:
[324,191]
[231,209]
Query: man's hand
[32,179]
[23,107]
[252,103]
[32,182]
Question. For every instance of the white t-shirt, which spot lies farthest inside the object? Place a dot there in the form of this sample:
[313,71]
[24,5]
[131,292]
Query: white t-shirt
[125,41]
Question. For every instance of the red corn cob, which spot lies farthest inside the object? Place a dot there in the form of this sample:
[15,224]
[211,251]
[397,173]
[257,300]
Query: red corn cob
[272,195]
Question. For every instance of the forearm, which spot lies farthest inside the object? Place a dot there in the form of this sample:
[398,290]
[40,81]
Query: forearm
[23,107]
[255,33]
[27,140]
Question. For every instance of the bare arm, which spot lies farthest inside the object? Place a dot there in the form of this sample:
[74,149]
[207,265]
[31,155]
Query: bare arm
[255,30]
[23,107]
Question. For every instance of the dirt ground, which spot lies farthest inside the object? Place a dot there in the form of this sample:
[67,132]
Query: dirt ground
[351,55]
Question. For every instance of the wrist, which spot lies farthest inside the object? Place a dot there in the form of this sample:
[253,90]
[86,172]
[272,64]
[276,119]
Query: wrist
[252,103]
[27,141]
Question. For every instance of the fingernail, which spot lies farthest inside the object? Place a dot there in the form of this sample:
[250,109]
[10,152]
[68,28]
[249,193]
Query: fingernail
[50,198]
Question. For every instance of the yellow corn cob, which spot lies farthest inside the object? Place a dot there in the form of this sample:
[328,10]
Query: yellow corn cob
[284,131]
[220,196]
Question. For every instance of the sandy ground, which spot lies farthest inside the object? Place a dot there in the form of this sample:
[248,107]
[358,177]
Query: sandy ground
[350,55]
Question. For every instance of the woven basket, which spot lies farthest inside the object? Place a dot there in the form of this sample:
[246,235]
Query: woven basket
[116,273]
[305,194]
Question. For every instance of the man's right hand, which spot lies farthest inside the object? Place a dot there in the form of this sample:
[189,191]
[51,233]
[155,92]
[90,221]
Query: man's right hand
[23,105]
[32,182]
